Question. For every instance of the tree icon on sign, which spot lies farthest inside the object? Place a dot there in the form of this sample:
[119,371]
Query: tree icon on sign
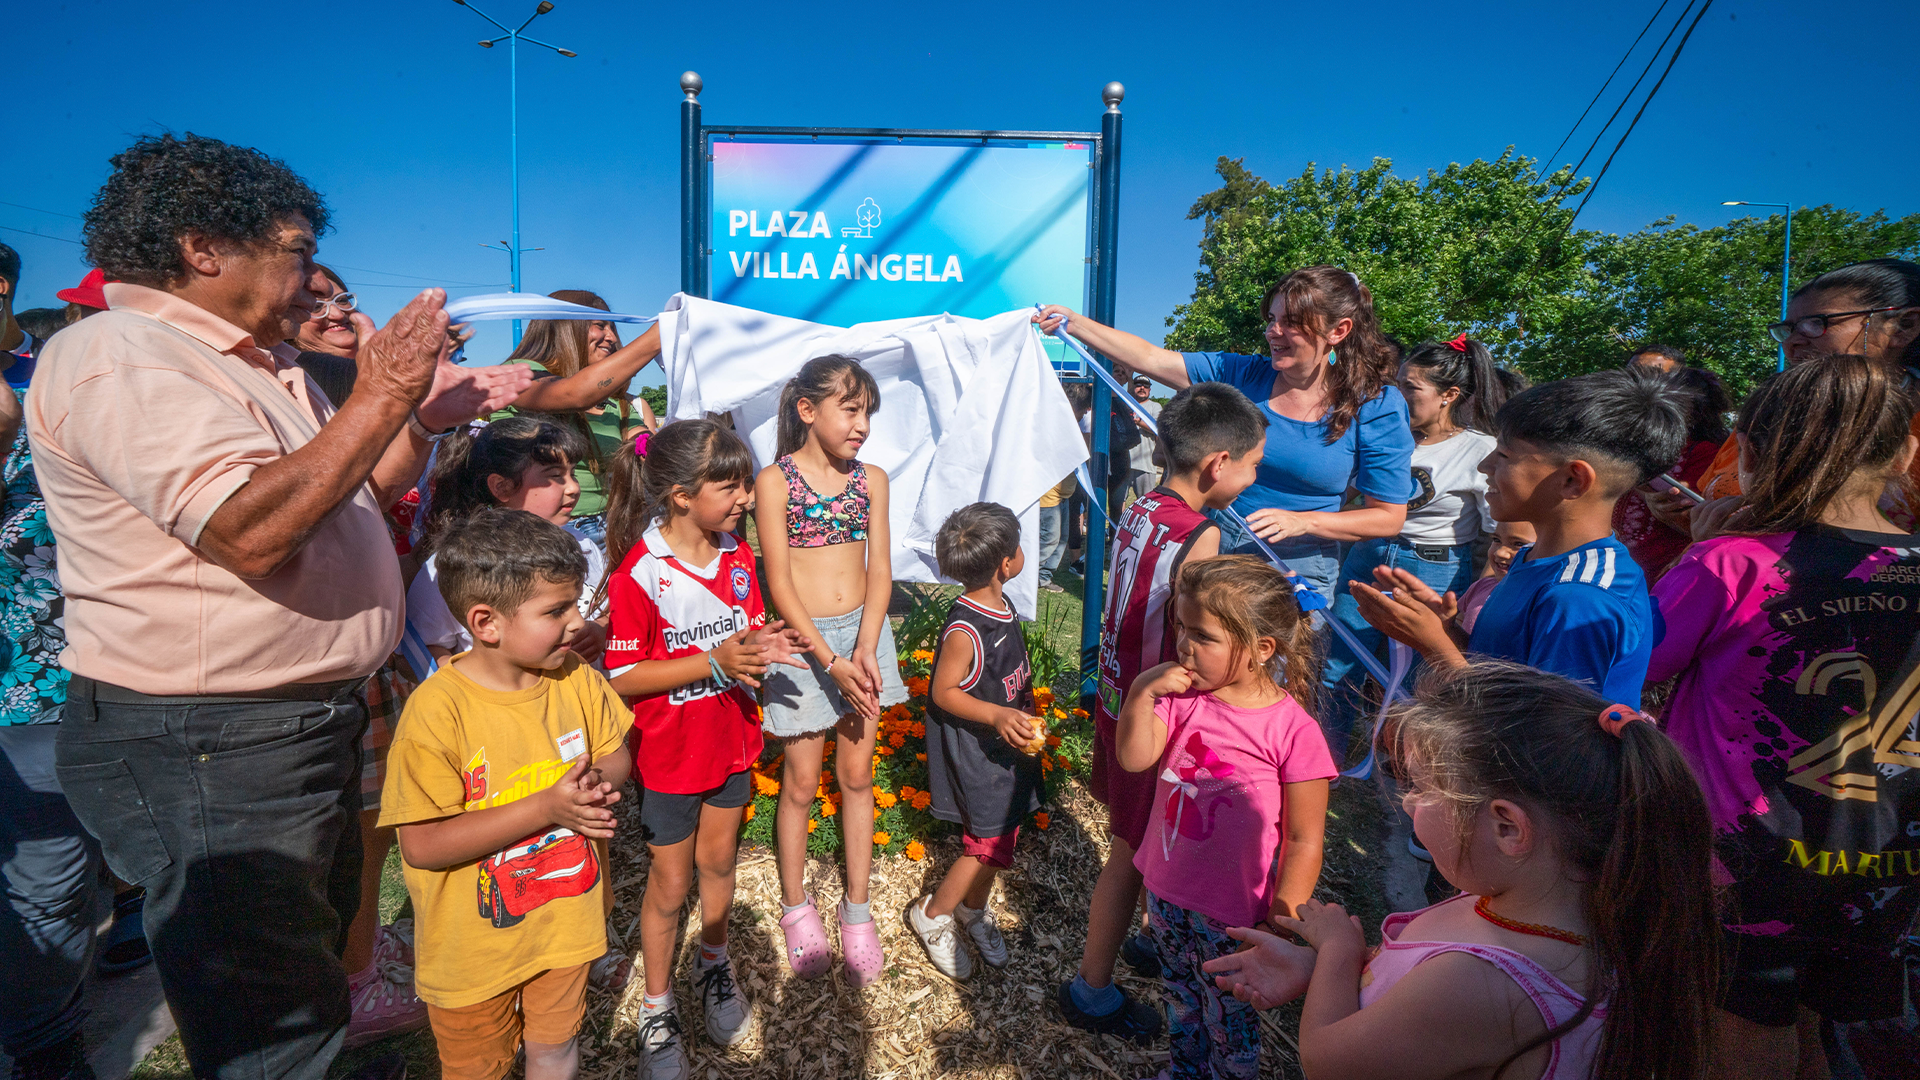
[867,216]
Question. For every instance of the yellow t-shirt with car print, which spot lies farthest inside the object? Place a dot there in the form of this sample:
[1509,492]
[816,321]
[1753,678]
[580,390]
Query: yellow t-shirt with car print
[539,903]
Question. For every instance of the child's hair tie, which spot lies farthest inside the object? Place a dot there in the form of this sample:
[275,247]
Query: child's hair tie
[640,442]
[1615,717]
[1459,344]
[474,428]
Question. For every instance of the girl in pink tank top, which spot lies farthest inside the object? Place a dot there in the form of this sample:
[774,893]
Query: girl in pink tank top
[1584,943]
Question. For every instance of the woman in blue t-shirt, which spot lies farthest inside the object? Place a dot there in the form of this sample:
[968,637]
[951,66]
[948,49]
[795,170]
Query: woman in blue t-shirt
[1335,420]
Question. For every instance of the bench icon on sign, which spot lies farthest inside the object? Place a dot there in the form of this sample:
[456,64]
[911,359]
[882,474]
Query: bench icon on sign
[868,217]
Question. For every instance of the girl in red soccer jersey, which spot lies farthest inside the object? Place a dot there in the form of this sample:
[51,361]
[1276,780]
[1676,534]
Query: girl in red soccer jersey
[689,642]
[822,518]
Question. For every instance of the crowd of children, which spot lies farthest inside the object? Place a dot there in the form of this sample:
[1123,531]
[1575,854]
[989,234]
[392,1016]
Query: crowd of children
[1653,894]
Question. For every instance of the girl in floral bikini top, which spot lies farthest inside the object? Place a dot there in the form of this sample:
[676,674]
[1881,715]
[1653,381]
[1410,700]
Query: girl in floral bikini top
[829,575]
[814,520]
[1585,943]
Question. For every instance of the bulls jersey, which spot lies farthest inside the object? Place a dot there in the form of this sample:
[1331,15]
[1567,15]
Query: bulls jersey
[1151,544]
[691,738]
[975,778]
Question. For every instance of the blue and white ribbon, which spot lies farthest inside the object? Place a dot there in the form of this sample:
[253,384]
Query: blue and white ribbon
[1309,600]
[513,305]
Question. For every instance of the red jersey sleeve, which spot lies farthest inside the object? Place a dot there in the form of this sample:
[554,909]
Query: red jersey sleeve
[633,630]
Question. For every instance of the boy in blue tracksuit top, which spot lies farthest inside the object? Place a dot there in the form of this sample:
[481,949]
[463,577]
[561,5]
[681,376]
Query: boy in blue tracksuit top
[1574,602]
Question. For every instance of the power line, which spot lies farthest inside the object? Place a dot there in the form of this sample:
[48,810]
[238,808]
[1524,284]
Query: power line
[413,277]
[45,236]
[41,210]
[1628,96]
[1671,60]
[1551,158]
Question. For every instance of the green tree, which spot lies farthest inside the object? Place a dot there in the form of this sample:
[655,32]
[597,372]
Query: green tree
[1487,248]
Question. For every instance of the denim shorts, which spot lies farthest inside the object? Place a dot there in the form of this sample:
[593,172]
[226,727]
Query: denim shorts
[797,702]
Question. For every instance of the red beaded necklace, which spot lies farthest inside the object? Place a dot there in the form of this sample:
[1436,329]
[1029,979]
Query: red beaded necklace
[1481,909]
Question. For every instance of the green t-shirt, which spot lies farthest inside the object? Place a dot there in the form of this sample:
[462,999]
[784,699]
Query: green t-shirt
[603,428]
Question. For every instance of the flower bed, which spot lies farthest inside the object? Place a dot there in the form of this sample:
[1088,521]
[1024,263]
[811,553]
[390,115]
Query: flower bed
[902,821]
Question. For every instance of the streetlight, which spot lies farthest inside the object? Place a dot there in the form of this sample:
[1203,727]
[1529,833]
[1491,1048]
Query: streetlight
[1786,263]
[513,38]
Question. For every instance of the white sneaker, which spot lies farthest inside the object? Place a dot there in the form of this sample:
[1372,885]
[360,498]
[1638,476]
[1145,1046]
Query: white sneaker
[942,939]
[985,932]
[661,1056]
[728,1011]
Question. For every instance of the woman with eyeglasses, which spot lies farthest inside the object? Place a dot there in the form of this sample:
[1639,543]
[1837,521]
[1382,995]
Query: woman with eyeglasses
[1869,309]
[328,343]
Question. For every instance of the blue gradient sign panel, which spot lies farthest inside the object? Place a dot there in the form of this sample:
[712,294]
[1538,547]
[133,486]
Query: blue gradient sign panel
[843,232]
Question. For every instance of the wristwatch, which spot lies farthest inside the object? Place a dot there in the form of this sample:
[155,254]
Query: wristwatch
[414,425]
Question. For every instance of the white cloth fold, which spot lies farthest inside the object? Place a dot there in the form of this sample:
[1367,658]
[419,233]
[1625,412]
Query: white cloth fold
[971,410]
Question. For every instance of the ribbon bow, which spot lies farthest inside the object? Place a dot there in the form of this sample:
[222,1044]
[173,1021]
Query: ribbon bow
[1459,344]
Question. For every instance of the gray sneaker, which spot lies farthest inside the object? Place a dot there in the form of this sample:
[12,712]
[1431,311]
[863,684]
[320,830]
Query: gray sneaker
[728,1011]
[985,932]
[661,1056]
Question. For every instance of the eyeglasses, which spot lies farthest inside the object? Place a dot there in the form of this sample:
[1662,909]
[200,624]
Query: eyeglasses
[340,302]
[1813,326]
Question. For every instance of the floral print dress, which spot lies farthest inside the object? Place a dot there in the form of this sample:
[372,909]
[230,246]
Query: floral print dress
[33,685]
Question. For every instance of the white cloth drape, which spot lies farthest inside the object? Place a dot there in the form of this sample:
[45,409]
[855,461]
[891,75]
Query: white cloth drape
[971,410]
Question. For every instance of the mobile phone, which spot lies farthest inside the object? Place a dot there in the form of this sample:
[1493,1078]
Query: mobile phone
[1666,482]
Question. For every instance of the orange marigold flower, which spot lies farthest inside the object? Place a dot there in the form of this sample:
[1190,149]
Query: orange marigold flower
[1042,820]
[1043,696]
[827,809]
[1062,762]
[748,816]
[1053,740]
[906,792]
[1059,714]
[919,730]
[886,751]
[920,757]
[884,799]
[916,850]
[1081,713]
[812,824]
[923,655]
[881,839]
[876,813]
[917,686]
[765,785]
[896,740]
[922,800]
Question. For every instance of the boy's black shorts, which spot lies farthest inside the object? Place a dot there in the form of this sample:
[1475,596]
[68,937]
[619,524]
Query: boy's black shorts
[667,818]
[1772,977]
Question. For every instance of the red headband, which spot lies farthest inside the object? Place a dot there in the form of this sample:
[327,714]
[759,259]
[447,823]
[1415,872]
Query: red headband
[1459,344]
[1615,717]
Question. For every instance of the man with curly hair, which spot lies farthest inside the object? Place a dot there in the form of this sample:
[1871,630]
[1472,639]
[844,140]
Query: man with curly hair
[230,583]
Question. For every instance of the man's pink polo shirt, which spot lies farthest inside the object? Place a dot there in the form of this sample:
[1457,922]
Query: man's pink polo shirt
[144,420]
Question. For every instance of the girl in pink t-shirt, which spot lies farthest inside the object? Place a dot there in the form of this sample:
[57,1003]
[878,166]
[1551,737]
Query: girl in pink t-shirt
[1240,807]
[1584,943]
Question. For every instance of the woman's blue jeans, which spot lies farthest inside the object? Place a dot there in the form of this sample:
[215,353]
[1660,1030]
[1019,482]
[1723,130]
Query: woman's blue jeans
[1446,567]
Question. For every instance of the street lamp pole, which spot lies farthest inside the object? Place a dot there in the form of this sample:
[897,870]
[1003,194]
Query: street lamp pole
[1786,264]
[513,37]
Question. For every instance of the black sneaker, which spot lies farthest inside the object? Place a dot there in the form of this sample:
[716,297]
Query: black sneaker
[1142,955]
[1134,1021]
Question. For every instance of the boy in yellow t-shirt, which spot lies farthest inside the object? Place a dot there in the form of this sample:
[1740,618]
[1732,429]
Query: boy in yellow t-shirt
[500,779]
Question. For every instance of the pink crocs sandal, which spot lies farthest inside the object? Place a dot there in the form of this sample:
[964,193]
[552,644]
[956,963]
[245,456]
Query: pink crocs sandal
[860,950]
[807,950]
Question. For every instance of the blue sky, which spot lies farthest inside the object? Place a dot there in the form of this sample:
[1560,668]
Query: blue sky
[400,120]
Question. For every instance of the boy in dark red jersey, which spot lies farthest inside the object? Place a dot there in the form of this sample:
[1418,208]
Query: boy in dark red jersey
[1213,438]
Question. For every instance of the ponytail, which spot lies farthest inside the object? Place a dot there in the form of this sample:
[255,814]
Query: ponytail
[1811,428]
[1625,813]
[1465,365]
[840,378]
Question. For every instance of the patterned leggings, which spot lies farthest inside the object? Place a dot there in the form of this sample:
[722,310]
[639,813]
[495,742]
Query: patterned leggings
[1214,1034]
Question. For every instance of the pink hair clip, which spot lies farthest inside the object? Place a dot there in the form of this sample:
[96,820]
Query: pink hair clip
[640,442]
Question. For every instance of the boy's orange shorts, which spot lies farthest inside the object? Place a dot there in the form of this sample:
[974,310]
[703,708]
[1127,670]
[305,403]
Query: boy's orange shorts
[479,1041]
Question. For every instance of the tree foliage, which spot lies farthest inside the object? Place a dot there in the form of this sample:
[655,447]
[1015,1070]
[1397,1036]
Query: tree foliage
[1487,248]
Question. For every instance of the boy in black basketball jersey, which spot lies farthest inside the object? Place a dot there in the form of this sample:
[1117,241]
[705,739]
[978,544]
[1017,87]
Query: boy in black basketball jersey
[980,735]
